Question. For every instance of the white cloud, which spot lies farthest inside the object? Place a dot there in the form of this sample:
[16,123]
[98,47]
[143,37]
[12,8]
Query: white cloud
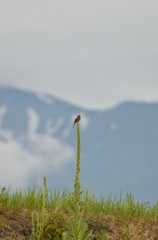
[66,132]
[3,111]
[33,123]
[45,98]
[32,155]
[17,164]
[84,120]
[50,128]
[90,53]
[43,144]
[5,134]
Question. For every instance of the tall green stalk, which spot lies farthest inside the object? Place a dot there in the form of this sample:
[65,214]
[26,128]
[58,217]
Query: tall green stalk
[77,227]
[39,221]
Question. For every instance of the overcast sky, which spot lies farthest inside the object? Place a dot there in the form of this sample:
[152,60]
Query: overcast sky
[91,53]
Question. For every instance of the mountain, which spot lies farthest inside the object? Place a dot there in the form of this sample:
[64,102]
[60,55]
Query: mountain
[119,146]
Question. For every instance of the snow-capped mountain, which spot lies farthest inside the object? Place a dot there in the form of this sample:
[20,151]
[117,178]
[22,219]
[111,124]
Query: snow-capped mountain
[119,146]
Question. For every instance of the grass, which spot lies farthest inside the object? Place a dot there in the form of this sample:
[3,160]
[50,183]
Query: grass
[39,213]
[107,218]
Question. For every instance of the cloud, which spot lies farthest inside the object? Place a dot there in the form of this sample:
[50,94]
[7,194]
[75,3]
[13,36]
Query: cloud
[4,134]
[3,110]
[90,53]
[85,120]
[45,98]
[50,128]
[55,150]
[31,155]
[17,164]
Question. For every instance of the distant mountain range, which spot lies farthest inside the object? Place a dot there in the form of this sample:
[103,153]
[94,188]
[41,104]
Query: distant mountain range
[119,146]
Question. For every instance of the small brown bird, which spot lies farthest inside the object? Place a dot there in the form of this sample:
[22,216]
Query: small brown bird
[77,120]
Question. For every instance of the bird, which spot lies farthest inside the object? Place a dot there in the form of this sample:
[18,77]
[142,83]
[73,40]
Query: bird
[77,120]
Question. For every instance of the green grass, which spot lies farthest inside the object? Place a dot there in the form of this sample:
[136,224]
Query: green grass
[32,199]
[107,218]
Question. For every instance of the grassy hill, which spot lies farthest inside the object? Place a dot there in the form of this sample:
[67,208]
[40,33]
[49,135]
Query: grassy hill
[39,214]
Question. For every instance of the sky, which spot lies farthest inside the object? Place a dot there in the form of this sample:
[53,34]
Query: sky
[93,54]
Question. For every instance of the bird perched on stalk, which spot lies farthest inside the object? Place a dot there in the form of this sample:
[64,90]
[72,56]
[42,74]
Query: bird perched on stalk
[77,120]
